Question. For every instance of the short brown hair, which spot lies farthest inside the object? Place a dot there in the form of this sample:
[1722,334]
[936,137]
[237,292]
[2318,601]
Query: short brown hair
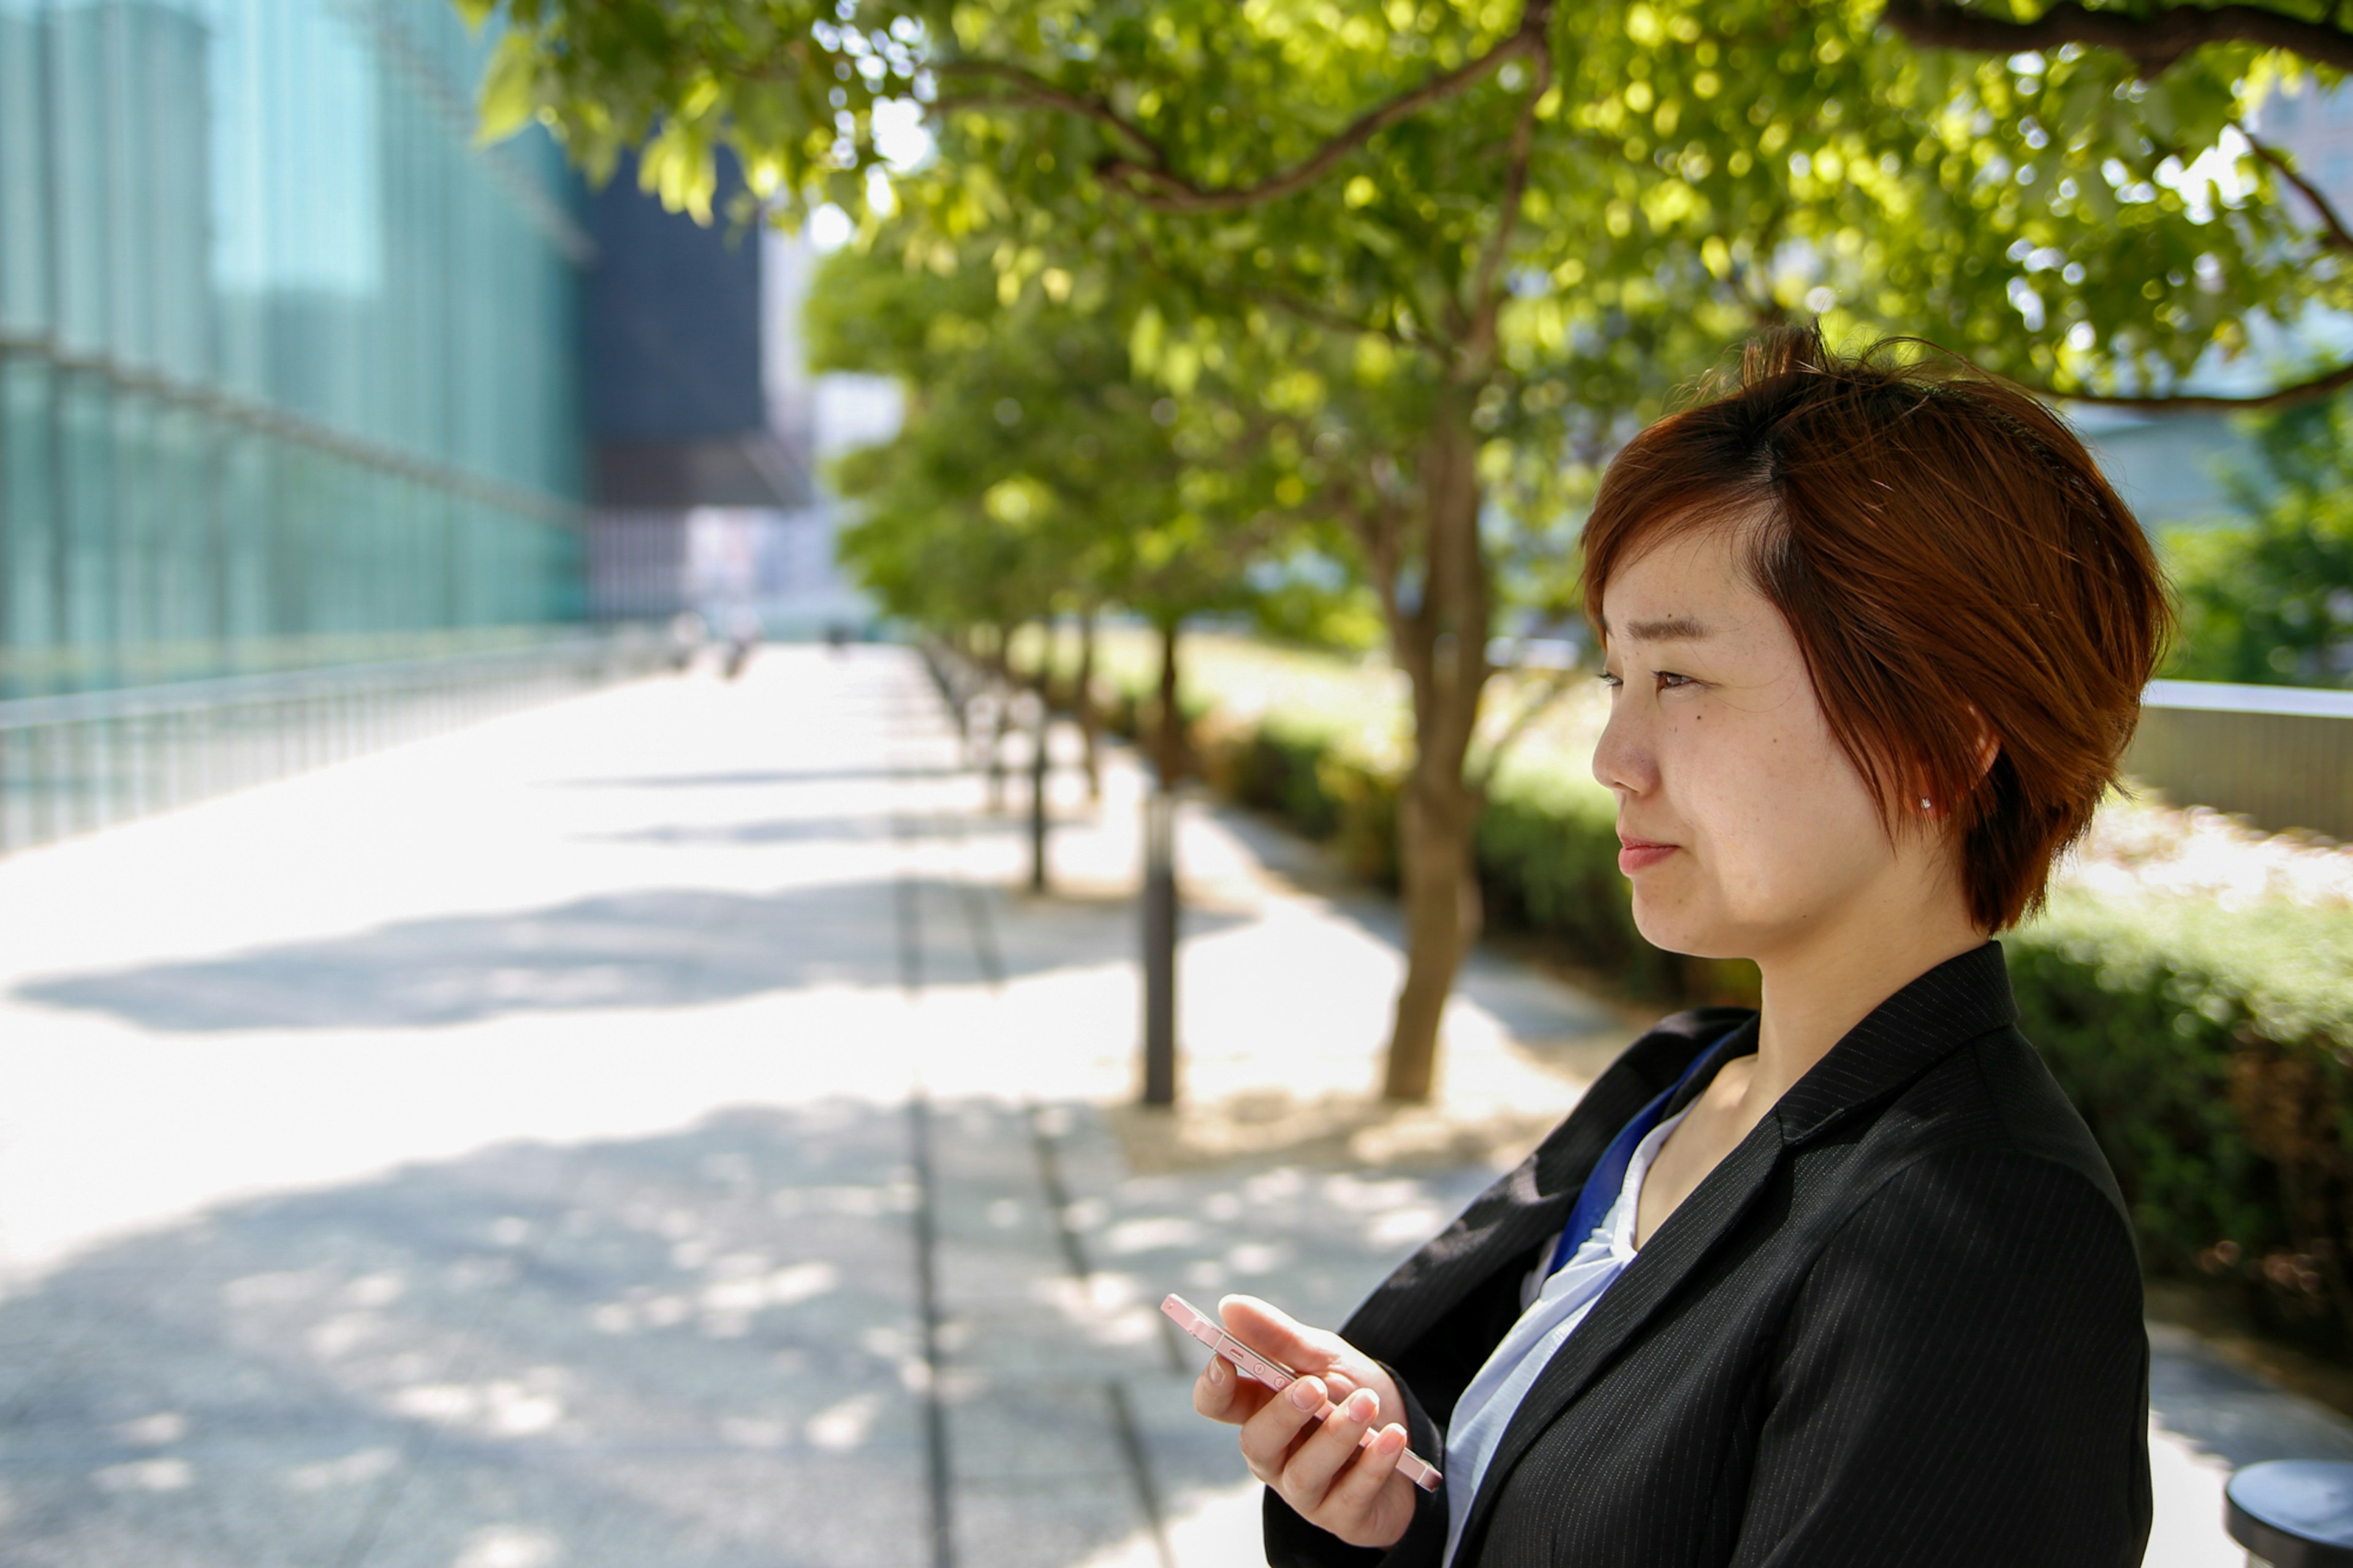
[1938,541]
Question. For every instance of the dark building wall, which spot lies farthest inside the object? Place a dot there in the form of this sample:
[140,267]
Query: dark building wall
[677,407]
[673,329]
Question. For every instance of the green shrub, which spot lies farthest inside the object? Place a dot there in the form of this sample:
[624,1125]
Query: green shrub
[1272,769]
[2203,1047]
[1548,856]
[1365,799]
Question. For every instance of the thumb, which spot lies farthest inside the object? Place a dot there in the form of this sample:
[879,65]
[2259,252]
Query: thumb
[1272,1331]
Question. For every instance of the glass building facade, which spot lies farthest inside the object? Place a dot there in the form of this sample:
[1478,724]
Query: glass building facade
[288,365]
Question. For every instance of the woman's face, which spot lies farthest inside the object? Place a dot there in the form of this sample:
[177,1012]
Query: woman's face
[1746,830]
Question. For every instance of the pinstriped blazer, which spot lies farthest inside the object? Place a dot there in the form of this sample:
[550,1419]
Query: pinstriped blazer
[1899,1325]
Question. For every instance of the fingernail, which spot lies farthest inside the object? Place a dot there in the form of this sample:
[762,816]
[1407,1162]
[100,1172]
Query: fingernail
[1363,1403]
[1216,1369]
[1306,1395]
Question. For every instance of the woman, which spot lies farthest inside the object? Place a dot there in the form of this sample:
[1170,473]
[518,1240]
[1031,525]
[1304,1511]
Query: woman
[1843,1281]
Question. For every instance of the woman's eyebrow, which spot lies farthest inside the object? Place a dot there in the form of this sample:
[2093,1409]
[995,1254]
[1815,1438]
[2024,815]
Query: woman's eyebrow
[1667,628]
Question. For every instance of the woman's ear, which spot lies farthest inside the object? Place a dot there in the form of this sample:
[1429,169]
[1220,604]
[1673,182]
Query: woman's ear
[1988,744]
[1923,801]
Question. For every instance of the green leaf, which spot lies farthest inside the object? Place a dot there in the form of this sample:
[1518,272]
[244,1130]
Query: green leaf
[509,95]
[1143,340]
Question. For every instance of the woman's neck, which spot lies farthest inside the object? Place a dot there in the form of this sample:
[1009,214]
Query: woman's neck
[1820,988]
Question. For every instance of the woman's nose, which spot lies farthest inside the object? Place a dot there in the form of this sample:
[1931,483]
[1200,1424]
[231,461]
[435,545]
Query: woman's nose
[1622,759]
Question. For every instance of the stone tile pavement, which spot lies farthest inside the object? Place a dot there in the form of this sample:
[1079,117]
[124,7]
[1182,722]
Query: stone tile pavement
[647,1130]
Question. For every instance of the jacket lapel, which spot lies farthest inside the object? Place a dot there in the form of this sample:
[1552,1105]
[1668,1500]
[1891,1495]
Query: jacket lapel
[1679,1245]
[1532,1202]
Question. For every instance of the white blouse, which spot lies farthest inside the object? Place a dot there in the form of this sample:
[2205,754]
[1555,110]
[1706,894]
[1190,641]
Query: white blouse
[1550,1310]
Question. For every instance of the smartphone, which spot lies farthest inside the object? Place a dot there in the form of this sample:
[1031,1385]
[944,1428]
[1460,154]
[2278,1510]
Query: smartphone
[1274,1374]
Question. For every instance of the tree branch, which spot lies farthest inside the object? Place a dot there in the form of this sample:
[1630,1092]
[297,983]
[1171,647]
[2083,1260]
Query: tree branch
[1376,537]
[2288,396]
[1307,311]
[2152,42]
[1484,305]
[1156,185]
[1034,91]
[1549,692]
[1315,315]
[2333,231]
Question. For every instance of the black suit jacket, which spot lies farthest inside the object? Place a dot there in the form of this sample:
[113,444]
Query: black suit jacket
[1899,1325]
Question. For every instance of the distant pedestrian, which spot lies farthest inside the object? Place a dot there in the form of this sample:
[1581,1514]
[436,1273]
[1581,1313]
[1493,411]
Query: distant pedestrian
[1845,1283]
[744,635]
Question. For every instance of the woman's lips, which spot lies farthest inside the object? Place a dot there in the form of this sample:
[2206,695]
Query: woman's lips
[1634,854]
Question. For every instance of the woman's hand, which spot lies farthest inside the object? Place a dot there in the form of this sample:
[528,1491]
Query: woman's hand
[1356,1493]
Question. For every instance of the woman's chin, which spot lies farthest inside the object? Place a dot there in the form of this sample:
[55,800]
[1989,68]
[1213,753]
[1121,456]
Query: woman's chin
[1673,928]
[1665,934]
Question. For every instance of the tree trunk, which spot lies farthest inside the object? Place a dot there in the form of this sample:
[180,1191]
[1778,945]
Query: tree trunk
[1090,721]
[1441,643]
[1170,752]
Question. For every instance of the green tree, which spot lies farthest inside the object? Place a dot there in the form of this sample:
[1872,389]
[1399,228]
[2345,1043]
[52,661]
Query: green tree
[1036,473]
[2270,602]
[1484,233]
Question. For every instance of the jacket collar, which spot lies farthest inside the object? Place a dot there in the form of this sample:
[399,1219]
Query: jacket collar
[1902,1037]
[1957,1001]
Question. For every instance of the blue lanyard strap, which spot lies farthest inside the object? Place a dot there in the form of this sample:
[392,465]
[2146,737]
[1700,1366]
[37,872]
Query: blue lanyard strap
[1609,1172]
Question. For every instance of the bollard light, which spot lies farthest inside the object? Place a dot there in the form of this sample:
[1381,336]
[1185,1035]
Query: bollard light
[2293,1513]
[1160,916]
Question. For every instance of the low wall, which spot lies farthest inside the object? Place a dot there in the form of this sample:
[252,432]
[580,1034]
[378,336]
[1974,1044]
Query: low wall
[2281,756]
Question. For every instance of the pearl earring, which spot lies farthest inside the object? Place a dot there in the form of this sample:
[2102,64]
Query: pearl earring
[1925,804]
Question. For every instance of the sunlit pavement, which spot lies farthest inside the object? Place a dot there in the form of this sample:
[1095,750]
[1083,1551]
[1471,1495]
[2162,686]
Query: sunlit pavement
[654,1130]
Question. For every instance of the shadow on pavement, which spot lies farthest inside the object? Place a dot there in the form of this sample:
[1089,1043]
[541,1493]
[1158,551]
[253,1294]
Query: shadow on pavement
[660,948]
[694,1351]
[683,1350]
[767,776]
[863,829]
[2233,1413]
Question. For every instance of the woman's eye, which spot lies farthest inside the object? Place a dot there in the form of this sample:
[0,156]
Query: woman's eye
[1669,680]
[1610,681]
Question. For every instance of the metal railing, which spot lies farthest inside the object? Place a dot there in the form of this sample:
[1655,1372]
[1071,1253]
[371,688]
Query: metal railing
[85,760]
[2281,756]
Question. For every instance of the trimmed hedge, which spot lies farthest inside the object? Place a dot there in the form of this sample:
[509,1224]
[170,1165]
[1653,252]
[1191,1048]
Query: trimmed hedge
[2207,1048]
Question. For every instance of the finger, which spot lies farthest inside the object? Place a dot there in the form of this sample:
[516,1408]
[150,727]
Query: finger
[1213,1390]
[1353,1494]
[1268,1436]
[1314,1465]
[1272,1331]
[1223,1395]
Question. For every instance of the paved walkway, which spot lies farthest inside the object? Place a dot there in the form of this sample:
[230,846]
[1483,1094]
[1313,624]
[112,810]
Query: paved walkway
[647,1131]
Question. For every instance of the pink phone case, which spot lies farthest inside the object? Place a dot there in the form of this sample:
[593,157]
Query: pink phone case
[1274,1374]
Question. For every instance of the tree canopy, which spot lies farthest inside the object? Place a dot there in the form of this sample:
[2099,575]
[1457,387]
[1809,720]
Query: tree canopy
[1456,249]
[1379,169]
